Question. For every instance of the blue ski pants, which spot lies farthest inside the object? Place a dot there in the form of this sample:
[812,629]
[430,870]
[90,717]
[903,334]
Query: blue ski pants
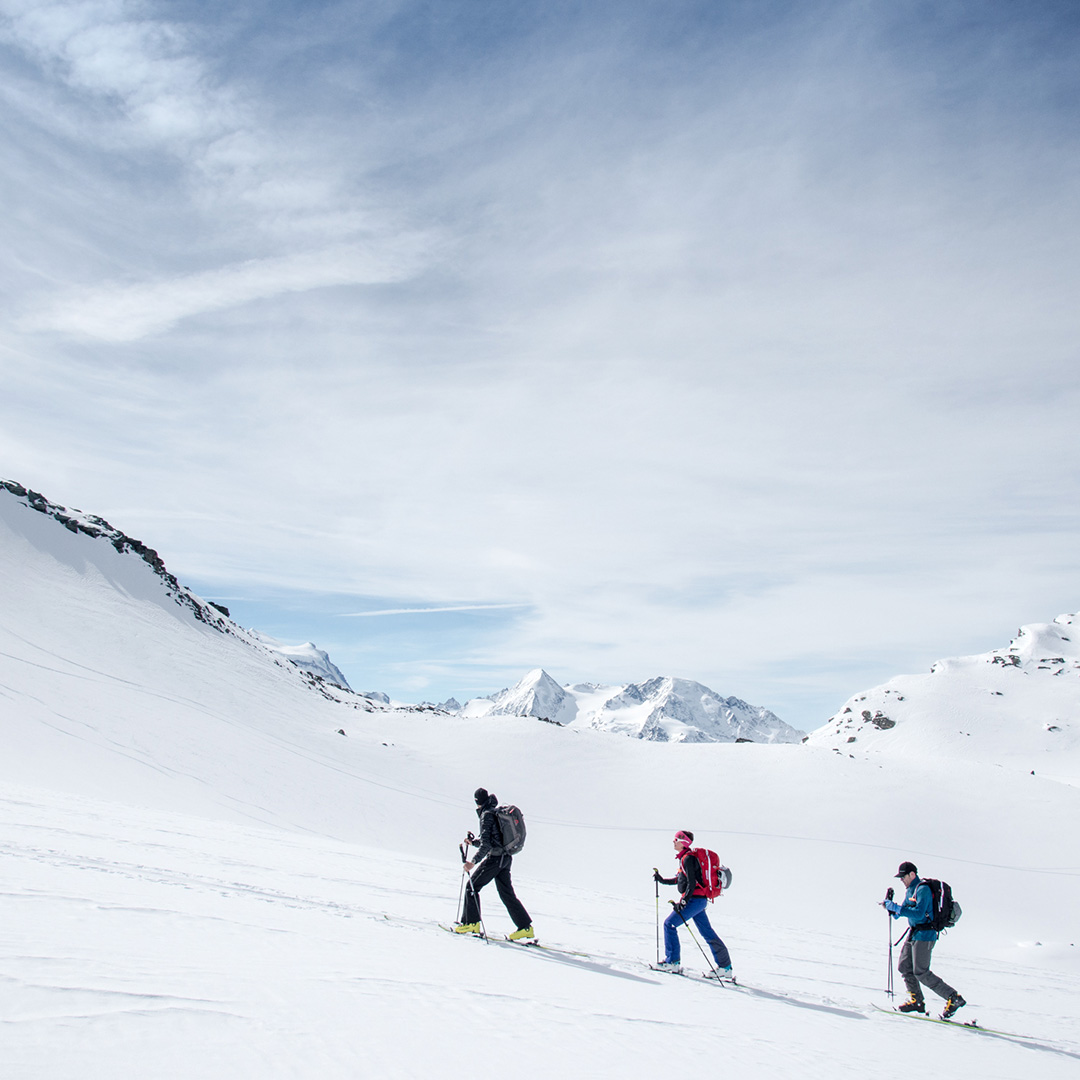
[694,909]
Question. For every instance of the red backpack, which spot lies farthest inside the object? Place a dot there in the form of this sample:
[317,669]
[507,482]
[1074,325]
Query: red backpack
[715,877]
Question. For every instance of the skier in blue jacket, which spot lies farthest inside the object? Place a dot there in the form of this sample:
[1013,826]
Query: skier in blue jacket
[914,966]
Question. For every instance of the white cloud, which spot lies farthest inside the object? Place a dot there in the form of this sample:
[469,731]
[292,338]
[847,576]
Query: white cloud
[428,610]
[238,182]
[118,50]
[119,313]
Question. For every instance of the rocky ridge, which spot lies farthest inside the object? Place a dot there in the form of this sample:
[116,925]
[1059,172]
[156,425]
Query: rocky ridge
[1018,703]
[311,664]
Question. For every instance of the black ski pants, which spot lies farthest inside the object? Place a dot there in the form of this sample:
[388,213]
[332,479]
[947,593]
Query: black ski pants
[497,868]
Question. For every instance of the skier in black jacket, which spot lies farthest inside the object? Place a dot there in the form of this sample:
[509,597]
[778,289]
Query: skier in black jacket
[491,862]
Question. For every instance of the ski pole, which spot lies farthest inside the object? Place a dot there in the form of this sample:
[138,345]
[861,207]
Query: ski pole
[467,883]
[461,890]
[656,882]
[712,966]
[483,928]
[889,975]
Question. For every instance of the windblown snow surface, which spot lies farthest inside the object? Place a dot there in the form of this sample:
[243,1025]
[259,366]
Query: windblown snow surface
[203,879]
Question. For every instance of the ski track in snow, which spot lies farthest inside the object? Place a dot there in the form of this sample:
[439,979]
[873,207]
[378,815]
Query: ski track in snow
[255,939]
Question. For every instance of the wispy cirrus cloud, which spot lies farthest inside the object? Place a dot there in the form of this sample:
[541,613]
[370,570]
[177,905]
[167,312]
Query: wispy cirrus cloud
[429,610]
[240,185]
[122,313]
[124,53]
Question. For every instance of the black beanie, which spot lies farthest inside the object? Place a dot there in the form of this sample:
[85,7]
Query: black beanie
[480,795]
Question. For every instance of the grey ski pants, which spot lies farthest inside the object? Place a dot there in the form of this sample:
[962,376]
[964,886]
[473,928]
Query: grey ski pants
[914,967]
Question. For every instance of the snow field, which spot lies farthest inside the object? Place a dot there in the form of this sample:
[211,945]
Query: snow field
[156,945]
[201,878]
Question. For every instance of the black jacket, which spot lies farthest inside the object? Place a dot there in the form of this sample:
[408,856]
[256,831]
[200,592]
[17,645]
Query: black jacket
[688,878]
[491,841]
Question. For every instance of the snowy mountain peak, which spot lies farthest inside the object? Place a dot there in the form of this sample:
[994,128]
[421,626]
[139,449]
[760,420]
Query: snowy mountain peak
[308,657]
[539,695]
[1016,704]
[681,710]
[663,709]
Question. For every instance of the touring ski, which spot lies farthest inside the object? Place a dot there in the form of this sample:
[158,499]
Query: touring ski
[687,974]
[971,1025]
[451,930]
[526,943]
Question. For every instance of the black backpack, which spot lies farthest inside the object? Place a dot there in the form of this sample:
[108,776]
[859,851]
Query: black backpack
[511,828]
[944,910]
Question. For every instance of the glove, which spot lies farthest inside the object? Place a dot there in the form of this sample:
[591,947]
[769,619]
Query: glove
[678,905]
[656,875]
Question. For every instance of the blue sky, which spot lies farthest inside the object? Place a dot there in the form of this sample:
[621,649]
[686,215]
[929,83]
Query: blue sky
[732,341]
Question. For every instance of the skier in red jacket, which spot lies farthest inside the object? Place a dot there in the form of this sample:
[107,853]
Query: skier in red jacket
[691,904]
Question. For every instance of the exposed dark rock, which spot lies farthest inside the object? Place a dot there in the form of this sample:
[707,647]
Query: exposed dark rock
[99,527]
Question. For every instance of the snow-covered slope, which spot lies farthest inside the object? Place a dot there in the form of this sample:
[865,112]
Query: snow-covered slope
[143,577]
[100,553]
[1018,706]
[204,878]
[660,710]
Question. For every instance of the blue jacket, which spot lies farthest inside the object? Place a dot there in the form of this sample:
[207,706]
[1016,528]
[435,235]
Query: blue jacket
[916,908]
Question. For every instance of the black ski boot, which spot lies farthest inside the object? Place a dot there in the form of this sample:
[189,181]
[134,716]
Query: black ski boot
[914,1004]
[954,1003]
